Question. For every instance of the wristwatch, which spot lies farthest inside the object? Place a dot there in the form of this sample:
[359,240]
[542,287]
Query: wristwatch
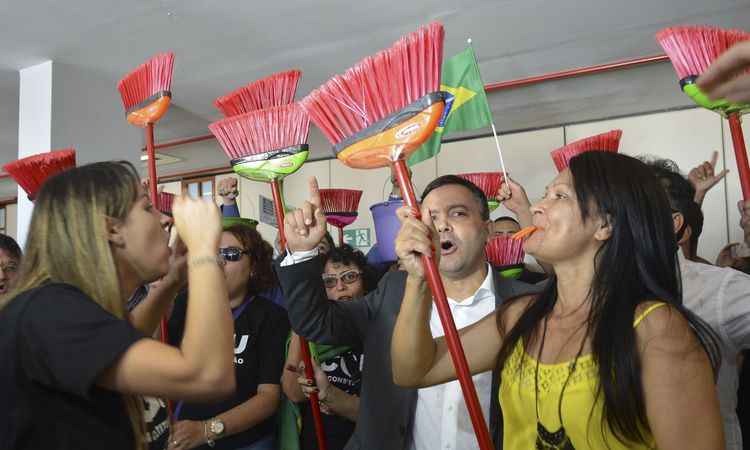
[216,427]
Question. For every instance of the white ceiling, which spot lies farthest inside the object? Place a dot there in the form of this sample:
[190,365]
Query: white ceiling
[221,45]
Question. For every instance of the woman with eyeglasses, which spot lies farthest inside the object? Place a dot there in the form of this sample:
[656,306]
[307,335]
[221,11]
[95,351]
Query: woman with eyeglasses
[346,276]
[244,421]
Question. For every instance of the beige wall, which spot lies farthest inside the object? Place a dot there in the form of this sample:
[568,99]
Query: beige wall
[687,136]
[10,220]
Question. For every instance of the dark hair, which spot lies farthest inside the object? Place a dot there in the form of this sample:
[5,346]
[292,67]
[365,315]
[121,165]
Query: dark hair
[508,218]
[447,180]
[625,191]
[10,246]
[327,237]
[694,219]
[260,252]
[345,254]
[681,195]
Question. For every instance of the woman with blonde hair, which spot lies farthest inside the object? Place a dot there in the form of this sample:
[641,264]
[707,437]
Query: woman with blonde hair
[74,362]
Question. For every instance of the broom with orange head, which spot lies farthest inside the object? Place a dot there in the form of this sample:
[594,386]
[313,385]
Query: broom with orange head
[31,172]
[266,145]
[340,207]
[692,49]
[376,115]
[146,95]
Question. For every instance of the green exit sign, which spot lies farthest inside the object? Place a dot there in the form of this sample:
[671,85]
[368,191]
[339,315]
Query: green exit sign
[358,237]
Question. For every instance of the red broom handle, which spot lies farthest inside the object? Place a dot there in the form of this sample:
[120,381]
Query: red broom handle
[310,375]
[154,198]
[740,153]
[341,236]
[152,180]
[446,319]
[278,205]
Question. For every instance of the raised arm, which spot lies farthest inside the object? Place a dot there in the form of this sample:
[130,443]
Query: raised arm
[202,368]
[417,358]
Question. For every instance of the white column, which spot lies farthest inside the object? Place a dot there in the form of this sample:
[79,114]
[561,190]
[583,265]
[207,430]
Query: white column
[34,129]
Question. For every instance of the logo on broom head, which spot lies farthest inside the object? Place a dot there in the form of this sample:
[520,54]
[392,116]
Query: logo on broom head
[408,131]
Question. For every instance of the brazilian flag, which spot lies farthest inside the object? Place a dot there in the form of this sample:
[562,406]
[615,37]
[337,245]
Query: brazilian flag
[466,107]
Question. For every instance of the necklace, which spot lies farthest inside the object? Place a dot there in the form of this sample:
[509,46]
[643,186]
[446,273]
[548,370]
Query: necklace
[545,439]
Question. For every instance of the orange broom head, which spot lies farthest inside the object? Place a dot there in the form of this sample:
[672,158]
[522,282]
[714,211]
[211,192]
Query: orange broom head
[275,90]
[387,105]
[488,182]
[164,202]
[504,251]
[693,48]
[340,205]
[605,142]
[146,91]
[31,172]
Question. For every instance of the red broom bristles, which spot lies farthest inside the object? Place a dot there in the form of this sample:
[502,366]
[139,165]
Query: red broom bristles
[504,251]
[607,142]
[164,202]
[275,90]
[262,130]
[488,182]
[31,172]
[151,77]
[334,201]
[693,48]
[378,85]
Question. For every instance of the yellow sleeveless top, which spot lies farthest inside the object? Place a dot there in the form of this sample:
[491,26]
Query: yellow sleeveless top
[582,417]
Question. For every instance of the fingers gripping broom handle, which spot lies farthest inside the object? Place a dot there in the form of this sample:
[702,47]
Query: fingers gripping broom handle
[446,319]
[278,204]
[740,153]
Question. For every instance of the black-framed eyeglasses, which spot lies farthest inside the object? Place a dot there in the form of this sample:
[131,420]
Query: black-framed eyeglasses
[232,253]
[330,280]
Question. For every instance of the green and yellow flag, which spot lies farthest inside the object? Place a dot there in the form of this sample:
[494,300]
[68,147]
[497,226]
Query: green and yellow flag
[466,105]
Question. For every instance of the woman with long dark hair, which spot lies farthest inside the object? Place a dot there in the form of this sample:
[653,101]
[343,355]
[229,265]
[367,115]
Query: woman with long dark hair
[606,356]
[74,361]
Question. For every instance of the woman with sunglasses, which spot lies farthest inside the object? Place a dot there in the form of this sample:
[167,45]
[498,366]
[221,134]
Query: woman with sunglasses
[346,276]
[244,421]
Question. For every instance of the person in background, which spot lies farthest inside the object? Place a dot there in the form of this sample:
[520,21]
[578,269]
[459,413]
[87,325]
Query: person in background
[727,77]
[245,420]
[75,364]
[228,190]
[391,417]
[10,259]
[703,177]
[338,378]
[606,356]
[728,256]
[505,226]
[719,296]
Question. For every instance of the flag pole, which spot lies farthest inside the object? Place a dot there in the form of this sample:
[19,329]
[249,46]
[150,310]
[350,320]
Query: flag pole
[492,119]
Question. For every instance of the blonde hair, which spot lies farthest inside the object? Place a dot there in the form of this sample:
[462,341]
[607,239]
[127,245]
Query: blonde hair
[67,243]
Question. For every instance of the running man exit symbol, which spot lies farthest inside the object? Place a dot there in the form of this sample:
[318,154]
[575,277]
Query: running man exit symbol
[358,237]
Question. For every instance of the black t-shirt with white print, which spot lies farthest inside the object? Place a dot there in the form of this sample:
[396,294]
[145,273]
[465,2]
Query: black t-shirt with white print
[260,336]
[55,342]
[344,371]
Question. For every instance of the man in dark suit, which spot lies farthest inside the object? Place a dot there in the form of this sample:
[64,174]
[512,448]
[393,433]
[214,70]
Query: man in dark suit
[391,417]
